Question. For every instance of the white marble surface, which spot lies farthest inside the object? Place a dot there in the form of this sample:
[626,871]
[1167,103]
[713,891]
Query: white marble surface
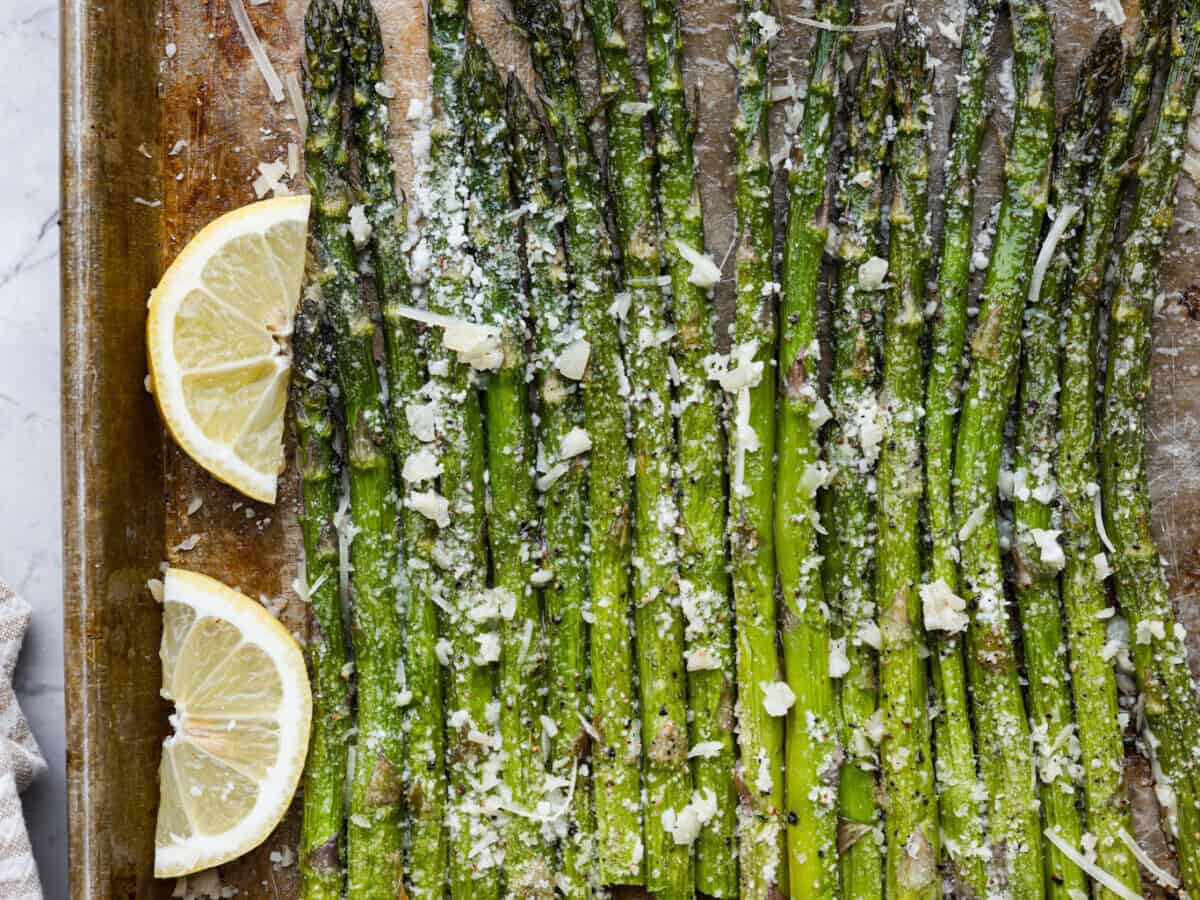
[30,503]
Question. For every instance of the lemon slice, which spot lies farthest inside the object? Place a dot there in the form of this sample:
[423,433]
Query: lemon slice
[243,709]
[217,341]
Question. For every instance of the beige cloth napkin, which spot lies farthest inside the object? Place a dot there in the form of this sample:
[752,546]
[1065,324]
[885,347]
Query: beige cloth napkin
[20,759]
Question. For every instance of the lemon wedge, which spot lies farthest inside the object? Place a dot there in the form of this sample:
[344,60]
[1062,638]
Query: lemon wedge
[217,339]
[243,709]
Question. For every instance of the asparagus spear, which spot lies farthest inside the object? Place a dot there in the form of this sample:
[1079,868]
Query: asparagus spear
[1037,556]
[1158,649]
[813,749]
[563,502]
[1000,716]
[907,763]
[853,451]
[321,841]
[513,501]
[1085,598]
[374,833]
[616,782]
[657,616]
[461,547]
[424,767]
[759,774]
[959,813]
[703,579]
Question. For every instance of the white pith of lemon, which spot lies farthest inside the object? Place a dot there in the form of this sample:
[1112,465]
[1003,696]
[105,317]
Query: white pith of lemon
[243,710]
[217,339]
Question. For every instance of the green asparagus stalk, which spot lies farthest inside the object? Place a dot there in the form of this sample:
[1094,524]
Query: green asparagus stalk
[1036,554]
[907,760]
[424,766]
[563,569]
[958,811]
[813,750]
[1085,598]
[513,500]
[1158,649]
[853,451]
[321,837]
[703,579]
[751,433]
[461,545]
[616,779]
[657,616]
[1007,766]
[374,831]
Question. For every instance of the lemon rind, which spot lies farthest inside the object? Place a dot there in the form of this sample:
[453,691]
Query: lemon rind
[209,597]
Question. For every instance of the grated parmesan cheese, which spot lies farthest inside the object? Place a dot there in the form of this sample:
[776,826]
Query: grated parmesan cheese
[766,24]
[705,272]
[1147,630]
[839,663]
[778,698]
[705,750]
[421,466]
[270,179]
[873,727]
[552,475]
[816,476]
[950,32]
[820,413]
[574,443]
[702,660]
[431,505]
[684,826]
[943,610]
[1110,9]
[974,520]
[422,420]
[872,273]
[572,362]
[489,648]
[868,633]
[1047,542]
[360,228]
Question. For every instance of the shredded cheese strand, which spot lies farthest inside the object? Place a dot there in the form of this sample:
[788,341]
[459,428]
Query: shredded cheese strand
[1159,874]
[1099,514]
[1061,222]
[296,98]
[256,50]
[432,318]
[850,29]
[1090,868]
[533,816]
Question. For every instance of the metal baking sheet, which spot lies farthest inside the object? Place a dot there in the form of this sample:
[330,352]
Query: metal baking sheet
[165,118]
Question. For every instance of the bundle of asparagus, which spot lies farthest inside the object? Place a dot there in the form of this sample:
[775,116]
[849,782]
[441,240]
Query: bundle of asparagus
[374,824]
[812,754]
[751,442]
[550,488]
